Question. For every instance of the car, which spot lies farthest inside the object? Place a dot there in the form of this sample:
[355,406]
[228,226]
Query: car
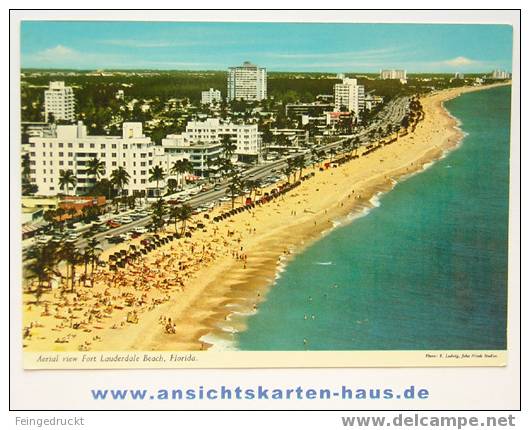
[140,230]
[225,199]
[125,219]
[217,187]
[43,239]
[116,239]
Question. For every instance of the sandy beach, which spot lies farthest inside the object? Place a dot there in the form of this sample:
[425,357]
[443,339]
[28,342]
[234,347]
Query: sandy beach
[204,286]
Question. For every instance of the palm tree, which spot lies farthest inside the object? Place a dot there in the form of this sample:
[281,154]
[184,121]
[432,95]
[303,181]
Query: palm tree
[234,188]
[314,156]
[299,162]
[42,265]
[228,146]
[252,185]
[184,214]
[66,179]
[157,175]
[96,168]
[174,211]
[288,169]
[225,165]
[356,144]
[93,250]
[120,178]
[71,255]
[158,211]
[180,167]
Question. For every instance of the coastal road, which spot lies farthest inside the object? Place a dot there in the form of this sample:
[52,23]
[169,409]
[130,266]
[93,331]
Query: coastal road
[392,113]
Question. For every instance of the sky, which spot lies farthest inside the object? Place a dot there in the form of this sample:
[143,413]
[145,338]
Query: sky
[276,46]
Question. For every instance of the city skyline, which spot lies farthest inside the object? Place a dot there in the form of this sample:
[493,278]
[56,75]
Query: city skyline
[289,47]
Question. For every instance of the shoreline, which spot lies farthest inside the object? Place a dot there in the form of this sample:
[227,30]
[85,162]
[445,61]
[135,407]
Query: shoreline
[220,296]
[219,340]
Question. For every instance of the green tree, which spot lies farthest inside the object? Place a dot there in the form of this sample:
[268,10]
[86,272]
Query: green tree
[184,214]
[234,188]
[227,146]
[158,211]
[156,175]
[96,168]
[67,179]
[180,167]
[42,265]
[120,178]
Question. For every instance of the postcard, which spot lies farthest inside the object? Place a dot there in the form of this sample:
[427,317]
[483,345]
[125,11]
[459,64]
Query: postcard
[263,194]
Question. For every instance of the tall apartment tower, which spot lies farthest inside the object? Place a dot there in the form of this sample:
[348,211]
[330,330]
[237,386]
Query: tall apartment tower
[349,95]
[59,101]
[393,74]
[247,82]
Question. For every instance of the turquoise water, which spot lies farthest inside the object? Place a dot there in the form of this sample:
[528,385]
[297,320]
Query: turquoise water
[427,269]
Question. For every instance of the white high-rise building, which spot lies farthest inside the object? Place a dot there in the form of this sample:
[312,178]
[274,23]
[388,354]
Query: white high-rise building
[70,148]
[500,74]
[210,97]
[59,101]
[247,82]
[394,74]
[349,95]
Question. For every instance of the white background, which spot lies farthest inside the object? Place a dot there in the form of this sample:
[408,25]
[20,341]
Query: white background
[451,388]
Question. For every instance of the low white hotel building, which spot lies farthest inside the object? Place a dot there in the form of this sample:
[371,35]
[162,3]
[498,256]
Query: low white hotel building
[70,147]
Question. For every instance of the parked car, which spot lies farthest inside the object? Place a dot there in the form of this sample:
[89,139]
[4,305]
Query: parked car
[116,239]
[112,223]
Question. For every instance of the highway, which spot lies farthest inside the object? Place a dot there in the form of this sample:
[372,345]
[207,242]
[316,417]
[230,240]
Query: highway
[392,113]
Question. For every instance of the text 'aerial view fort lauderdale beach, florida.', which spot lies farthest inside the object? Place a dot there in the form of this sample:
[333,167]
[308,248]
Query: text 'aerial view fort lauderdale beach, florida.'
[264,187]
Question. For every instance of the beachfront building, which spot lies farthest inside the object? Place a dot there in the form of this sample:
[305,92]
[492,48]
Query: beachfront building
[349,96]
[247,82]
[459,75]
[500,74]
[59,102]
[310,109]
[372,100]
[292,137]
[201,144]
[394,74]
[176,147]
[71,148]
[210,97]
[335,121]
[246,137]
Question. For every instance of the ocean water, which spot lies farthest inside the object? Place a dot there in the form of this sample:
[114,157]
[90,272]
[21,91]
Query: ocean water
[425,269]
